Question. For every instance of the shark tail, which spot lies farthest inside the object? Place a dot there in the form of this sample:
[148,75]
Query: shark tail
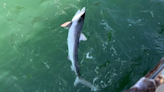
[86,83]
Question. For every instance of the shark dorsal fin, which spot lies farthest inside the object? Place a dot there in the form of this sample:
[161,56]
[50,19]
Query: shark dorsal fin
[67,24]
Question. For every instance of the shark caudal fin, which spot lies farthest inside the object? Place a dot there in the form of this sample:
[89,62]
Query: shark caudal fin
[86,83]
[78,14]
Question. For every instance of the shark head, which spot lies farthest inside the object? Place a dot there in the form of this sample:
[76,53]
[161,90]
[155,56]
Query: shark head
[80,14]
[78,17]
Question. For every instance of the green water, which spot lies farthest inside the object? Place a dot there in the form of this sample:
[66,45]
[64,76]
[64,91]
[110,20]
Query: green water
[125,41]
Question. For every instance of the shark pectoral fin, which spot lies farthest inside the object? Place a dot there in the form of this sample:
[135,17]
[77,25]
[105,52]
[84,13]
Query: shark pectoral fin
[82,37]
[67,24]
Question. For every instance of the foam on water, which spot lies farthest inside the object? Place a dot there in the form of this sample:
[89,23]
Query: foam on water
[88,56]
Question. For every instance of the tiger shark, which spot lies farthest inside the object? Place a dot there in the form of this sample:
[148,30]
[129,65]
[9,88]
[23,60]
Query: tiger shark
[75,35]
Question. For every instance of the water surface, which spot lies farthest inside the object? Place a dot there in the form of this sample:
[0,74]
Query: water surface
[125,41]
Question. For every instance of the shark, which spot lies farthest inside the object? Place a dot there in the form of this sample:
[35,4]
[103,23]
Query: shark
[75,35]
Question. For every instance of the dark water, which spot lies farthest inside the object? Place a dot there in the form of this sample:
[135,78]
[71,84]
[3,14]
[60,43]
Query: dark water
[125,41]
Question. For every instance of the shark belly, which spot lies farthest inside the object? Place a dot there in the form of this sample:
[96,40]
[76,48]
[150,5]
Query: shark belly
[71,47]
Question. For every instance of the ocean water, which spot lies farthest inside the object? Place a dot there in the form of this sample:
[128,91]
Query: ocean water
[125,41]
